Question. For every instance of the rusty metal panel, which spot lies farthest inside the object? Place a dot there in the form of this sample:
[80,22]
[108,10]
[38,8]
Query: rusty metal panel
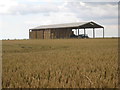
[61,33]
[33,35]
[51,33]
[40,34]
[47,34]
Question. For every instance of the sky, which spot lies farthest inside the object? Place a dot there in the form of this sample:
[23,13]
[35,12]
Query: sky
[18,16]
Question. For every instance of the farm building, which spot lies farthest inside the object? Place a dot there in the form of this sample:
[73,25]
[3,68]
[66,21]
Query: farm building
[61,30]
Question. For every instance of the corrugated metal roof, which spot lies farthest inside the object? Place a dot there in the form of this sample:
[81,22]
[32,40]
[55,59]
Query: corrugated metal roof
[65,25]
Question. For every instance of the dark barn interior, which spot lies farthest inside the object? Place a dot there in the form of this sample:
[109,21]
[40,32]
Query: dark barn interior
[57,31]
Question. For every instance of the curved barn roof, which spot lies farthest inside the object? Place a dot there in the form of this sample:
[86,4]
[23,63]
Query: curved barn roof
[90,24]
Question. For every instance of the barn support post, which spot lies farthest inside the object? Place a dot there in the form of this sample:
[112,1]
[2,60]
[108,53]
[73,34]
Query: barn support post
[93,32]
[67,36]
[84,32]
[78,31]
[29,34]
[43,34]
[103,32]
[50,34]
[36,34]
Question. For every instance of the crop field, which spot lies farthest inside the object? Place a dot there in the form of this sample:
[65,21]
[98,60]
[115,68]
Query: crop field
[60,63]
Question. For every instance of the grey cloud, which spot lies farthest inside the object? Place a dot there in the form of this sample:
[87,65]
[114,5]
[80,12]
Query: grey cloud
[85,11]
[93,0]
[33,9]
[106,10]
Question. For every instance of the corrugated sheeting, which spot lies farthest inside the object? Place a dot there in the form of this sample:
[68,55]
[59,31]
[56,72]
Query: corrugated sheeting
[69,25]
[60,25]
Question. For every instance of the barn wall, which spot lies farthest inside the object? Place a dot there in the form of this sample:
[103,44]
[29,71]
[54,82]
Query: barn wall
[61,33]
[47,34]
[53,33]
[40,34]
[50,33]
[32,35]
[36,34]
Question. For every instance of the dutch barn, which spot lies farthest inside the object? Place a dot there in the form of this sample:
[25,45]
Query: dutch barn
[61,30]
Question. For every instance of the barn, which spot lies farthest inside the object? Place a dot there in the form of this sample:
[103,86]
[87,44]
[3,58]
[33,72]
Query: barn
[57,31]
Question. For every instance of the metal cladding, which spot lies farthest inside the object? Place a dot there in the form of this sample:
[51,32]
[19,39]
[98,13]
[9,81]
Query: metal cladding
[70,25]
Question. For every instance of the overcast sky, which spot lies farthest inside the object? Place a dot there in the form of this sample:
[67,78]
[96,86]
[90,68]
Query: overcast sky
[18,16]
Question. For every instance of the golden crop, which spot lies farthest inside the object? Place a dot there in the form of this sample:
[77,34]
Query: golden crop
[60,63]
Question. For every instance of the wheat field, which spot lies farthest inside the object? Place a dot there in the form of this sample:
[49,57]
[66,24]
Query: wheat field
[60,63]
